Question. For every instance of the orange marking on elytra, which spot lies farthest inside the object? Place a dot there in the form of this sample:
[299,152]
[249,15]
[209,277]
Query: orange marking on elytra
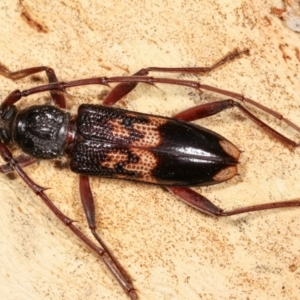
[146,162]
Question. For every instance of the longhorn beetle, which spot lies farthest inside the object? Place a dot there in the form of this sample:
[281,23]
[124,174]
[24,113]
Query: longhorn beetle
[110,142]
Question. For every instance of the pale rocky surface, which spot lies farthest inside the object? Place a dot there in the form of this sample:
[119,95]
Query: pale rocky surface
[171,250]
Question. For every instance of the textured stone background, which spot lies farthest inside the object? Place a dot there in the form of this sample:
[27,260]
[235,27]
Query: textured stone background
[172,251]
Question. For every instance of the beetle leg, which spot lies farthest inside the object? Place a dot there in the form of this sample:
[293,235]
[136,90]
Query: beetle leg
[87,201]
[23,160]
[212,108]
[58,98]
[201,203]
[38,190]
[122,89]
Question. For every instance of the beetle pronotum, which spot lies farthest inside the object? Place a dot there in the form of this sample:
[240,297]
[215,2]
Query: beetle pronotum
[110,142]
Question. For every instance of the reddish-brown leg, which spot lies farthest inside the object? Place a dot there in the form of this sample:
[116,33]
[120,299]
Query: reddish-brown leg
[23,161]
[212,108]
[107,257]
[201,203]
[122,89]
[87,201]
[198,201]
[58,99]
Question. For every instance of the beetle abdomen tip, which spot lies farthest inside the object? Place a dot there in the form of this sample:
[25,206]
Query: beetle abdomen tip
[225,174]
[230,149]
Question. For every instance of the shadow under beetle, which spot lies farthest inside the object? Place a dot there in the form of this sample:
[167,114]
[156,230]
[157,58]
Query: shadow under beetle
[110,142]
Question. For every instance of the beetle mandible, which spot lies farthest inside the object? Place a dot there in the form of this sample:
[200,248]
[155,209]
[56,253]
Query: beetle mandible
[110,142]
